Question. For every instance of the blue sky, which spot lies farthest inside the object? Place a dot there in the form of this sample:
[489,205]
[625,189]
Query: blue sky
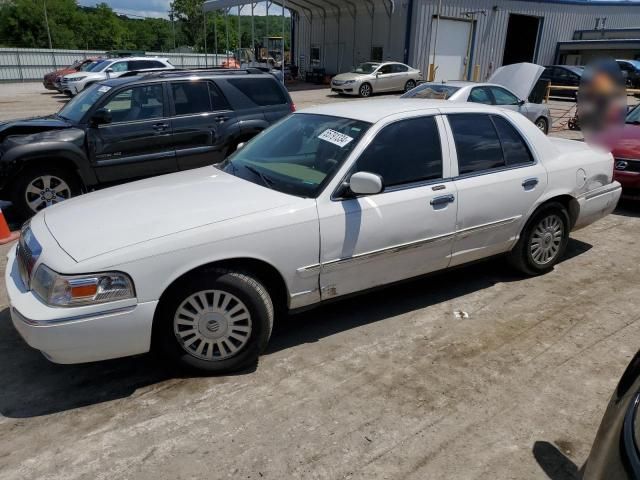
[159,8]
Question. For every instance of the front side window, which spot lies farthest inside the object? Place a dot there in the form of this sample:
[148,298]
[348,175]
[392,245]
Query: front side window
[503,97]
[477,143]
[261,91]
[406,151]
[299,154]
[480,95]
[385,69]
[137,103]
[120,67]
[191,97]
[75,109]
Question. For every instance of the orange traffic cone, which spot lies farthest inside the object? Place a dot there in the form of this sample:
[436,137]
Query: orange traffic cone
[6,235]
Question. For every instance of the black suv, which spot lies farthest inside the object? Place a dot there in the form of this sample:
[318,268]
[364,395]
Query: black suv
[128,128]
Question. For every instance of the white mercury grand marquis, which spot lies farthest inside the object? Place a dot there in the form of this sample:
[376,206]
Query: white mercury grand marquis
[330,201]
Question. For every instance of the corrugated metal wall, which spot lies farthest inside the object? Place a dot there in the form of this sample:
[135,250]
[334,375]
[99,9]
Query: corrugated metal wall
[559,23]
[26,64]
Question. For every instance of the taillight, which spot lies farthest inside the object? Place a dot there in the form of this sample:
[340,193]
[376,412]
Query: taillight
[293,107]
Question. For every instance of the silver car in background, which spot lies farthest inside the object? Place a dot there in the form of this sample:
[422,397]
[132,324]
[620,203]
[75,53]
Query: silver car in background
[508,87]
[373,77]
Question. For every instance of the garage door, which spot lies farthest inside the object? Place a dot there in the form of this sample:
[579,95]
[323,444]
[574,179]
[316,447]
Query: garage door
[451,48]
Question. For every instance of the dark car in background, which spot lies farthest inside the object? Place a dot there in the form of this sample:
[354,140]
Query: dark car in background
[565,76]
[631,71]
[128,128]
[615,453]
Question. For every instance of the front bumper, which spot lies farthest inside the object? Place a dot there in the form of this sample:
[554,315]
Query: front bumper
[349,89]
[73,88]
[79,334]
[628,180]
[598,203]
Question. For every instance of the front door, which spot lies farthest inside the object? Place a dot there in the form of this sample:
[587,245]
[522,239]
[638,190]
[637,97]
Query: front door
[385,79]
[137,143]
[404,231]
[498,182]
[203,124]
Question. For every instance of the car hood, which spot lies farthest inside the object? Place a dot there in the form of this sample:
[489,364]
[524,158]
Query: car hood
[350,76]
[83,74]
[623,142]
[51,122]
[520,78]
[118,217]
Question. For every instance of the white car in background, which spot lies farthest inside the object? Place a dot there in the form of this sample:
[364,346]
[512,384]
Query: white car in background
[331,201]
[74,83]
[509,87]
[375,77]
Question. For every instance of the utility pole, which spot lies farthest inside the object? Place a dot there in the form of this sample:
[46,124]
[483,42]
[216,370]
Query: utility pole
[204,31]
[173,26]
[46,21]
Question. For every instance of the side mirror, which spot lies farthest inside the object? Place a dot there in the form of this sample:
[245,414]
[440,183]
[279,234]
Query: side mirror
[109,71]
[521,103]
[100,117]
[365,183]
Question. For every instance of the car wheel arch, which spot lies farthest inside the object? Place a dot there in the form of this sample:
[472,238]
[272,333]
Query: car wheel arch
[59,161]
[264,271]
[569,202]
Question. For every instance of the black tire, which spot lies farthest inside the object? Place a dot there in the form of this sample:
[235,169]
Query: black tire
[522,256]
[410,85]
[365,90]
[244,287]
[30,175]
[542,125]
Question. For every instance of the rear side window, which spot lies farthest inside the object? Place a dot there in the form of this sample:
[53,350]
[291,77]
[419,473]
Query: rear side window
[191,97]
[262,91]
[477,143]
[514,148]
[404,152]
[398,68]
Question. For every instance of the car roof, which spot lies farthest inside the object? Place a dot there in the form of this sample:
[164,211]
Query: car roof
[374,110]
[179,75]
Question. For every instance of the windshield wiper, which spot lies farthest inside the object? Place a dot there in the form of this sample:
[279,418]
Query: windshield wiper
[266,180]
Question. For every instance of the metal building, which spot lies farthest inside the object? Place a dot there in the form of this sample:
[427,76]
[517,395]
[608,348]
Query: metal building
[454,35]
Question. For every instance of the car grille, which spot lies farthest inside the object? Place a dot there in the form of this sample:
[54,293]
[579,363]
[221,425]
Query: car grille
[338,82]
[626,165]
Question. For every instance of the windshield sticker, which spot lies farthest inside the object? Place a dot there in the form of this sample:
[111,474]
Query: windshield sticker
[104,89]
[337,138]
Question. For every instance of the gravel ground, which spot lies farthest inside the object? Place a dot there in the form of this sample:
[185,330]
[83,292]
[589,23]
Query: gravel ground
[394,384]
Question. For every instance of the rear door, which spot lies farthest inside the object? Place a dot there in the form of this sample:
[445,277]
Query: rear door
[498,180]
[203,124]
[137,142]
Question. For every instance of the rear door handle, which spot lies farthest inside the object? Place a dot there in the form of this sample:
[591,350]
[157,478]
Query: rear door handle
[442,200]
[160,126]
[530,183]
[221,119]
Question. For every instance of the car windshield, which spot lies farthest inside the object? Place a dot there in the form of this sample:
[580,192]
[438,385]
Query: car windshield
[298,155]
[97,66]
[78,105]
[633,116]
[635,63]
[86,67]
[435,91]
[368,67]
[577,70]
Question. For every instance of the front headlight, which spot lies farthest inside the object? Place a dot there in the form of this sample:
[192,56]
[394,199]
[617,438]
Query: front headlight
[349,81]
[73,290]
[76,79]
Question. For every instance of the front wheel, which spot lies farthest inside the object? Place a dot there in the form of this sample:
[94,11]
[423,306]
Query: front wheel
[40,187]
[543,241]
[365,90]
[410,85]
[542,125]
[218,321]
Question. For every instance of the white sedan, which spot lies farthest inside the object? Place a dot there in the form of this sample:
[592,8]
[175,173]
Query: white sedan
[330,201]
[372,77]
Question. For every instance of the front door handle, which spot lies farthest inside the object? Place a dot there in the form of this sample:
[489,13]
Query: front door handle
[221,119]
[159,127]
[530,183]
[442,200]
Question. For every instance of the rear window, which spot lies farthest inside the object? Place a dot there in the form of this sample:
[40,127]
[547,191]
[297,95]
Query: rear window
[431,91]
[261,91]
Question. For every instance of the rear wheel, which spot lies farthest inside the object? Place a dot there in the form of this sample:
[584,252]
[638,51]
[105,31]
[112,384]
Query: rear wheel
[410,85]
[217,321]
[365,90]
[40,187]
[543,241]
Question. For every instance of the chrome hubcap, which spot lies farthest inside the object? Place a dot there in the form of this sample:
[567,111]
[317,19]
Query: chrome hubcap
[365,90]
[546,240]
[541,125]
[212,325]
[409,86]
[45,191]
